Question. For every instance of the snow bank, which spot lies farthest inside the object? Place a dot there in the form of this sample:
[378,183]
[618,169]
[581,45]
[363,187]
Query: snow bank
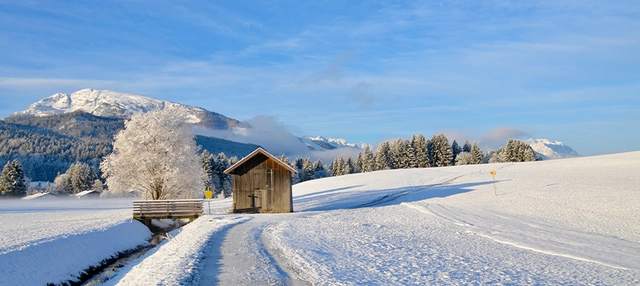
[53,241]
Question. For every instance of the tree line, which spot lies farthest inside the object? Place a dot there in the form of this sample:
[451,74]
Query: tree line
[417,152]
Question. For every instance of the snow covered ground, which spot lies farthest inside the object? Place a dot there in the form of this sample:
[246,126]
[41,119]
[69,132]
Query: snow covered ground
[561,222]
[51,240]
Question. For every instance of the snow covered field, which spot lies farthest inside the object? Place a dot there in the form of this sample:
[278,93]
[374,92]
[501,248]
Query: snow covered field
[562,222]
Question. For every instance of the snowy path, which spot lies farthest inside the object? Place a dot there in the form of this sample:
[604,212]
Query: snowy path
[240,256]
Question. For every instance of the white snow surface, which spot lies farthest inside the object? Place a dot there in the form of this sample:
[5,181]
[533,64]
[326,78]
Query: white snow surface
[53,241]
[558,222]
[548,149]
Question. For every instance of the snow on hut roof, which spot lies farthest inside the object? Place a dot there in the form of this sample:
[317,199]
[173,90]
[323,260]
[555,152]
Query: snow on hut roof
[84,193]
[252,154]
[38,195]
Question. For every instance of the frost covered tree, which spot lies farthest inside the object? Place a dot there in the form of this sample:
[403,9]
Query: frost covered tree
[359,163]
[208,162]
[339,167]
[368,162]
[464,158]
[517,151]
[493,156]
[319,170]
[383,158]
[398,153]
[350,166]
[410,155]
[81,177]
[442,154]
[307,170]
[476,154]
[78,178]
[12,180]
[222,163]
[419,143]
[455,149]
[62,184]
[156,157]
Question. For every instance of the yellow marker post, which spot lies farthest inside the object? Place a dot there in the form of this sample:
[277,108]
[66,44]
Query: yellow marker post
[495,189]
[208,194]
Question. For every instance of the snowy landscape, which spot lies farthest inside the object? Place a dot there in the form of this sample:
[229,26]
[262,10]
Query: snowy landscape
[557,222]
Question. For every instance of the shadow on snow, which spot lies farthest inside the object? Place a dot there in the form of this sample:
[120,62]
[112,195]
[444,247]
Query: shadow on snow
[334,199]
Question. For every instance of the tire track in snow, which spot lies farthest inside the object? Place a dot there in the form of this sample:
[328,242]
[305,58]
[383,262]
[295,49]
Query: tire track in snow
[527,234]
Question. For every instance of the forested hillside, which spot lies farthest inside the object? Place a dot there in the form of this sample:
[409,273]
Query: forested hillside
[47,146]
[44,153]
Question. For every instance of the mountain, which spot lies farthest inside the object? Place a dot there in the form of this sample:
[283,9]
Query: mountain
[320,143]
[113,104]
[548,149]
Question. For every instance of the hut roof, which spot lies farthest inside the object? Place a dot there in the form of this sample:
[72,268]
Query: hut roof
[86,193]
[39,195]
[256,152]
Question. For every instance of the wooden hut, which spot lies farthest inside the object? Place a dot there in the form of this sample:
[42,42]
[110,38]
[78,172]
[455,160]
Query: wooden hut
[261,184]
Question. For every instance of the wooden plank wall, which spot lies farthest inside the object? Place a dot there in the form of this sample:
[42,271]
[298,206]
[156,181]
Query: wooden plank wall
[254,178]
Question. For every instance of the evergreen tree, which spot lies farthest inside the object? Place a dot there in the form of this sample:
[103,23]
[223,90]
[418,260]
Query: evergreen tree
[383,159]
[442,154]
[430,152]
[339,167]
[319,170]
[12,180]
[517,151]
[410,155]
[81,176]
[207,164]
[476,154]
[368,162]
[350,166]
[455,149]
[359,163]
[307,170]
[398,154]
[298,162]
[419,143]
[466,147]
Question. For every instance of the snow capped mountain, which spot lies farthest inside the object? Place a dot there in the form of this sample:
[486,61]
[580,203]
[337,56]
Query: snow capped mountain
[113,104]
[321,143]
[548,149]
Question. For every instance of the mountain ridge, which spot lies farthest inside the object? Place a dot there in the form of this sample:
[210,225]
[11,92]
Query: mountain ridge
[548,149]
[113,104]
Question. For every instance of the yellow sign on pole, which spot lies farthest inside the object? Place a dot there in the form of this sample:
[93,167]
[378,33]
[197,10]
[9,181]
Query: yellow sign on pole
[495,189]
[208,194]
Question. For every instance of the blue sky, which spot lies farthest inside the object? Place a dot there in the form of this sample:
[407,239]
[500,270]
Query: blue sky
[364,71]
